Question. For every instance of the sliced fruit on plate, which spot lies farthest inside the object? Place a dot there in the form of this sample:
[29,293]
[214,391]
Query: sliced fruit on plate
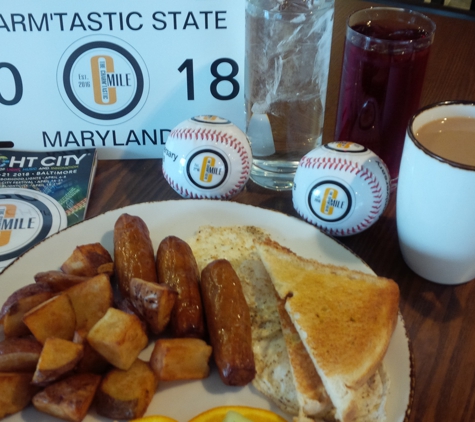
[233,416]
[154,418]
[237,414]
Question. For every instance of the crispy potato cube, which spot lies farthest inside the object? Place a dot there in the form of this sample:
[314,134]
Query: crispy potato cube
[154,302]
[57,359]
[87,259]
[107,269]
[16,392]
[59,281]
[180,359]
[20,302]
[19,354]
[92,361]
[126,394]
[119,337]
[21,293]
[53,318]
[126,305]
[91,300]
[68,399]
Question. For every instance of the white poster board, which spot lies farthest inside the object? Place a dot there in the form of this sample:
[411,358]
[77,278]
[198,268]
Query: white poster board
[116,75]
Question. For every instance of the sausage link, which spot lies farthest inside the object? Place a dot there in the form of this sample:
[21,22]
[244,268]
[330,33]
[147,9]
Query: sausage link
[229,323]
[133,252]
[177,268]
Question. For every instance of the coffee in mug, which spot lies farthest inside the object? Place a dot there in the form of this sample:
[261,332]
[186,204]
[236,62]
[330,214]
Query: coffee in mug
[435,206]
[451,138]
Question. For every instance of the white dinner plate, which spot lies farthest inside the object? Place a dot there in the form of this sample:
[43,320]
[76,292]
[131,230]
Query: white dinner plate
[182,218]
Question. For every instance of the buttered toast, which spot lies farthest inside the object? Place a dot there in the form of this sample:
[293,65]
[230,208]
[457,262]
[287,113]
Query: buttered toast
[345,319]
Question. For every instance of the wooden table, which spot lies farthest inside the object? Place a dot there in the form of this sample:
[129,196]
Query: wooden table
[440,320]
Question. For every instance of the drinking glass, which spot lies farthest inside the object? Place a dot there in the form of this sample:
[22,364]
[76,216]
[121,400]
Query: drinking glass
[288,44]
[384,63]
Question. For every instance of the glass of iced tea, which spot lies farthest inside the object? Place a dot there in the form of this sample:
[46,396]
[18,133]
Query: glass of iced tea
[384,63]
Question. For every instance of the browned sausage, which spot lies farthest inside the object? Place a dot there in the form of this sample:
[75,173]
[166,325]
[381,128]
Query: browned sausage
[176,267]
[229,323]
[133,252]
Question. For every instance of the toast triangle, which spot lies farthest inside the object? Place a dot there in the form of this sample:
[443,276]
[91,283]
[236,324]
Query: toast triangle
[345,319]
[312,397]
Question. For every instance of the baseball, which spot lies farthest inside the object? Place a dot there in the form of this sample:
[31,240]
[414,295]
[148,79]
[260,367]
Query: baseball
[207,157]
[341,187]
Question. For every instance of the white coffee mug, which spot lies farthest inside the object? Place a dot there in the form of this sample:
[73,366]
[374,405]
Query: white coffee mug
[435,208]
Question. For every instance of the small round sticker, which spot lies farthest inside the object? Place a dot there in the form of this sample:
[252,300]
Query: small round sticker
[211,119]
[207,168]
[344,146]
[330,200]
[26,218]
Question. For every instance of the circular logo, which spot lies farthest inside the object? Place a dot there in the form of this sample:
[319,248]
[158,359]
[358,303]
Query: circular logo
[103,80]
[207,168]
[210,119]
[26,218]
[330,200]
[344,146]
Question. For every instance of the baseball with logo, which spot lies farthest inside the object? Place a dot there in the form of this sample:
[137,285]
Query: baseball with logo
[207,157]
[341,187]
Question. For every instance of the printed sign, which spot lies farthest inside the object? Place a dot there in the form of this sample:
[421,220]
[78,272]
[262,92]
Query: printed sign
[116,76]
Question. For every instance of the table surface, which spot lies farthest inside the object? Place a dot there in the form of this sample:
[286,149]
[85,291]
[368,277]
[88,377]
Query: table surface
[440,320]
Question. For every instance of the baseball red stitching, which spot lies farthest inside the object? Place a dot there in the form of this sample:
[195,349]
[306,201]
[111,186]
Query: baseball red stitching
[189,194]
[333,163]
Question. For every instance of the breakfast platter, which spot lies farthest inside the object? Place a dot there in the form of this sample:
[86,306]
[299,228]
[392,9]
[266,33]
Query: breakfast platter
[183,400]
